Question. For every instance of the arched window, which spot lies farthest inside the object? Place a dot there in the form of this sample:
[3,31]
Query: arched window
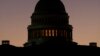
[49,32]
[46,32]
[53,33]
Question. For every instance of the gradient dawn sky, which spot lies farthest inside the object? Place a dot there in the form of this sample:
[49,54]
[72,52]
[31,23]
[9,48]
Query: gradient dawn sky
[84,16]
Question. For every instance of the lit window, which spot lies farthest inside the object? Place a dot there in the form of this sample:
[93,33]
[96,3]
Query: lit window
[53,33]
[46,32]
[49,32]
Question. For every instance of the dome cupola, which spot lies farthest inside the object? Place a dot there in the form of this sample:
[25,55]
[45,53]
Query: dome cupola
[49,7]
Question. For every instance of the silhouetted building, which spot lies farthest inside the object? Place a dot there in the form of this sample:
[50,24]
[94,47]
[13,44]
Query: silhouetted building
[5,42]
[94,44]
[49,24]
[50,28]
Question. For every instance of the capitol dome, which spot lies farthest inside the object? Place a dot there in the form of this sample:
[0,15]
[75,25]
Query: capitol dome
[50,13]
[49,24]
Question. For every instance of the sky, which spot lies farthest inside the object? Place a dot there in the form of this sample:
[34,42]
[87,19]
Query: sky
[84,16]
